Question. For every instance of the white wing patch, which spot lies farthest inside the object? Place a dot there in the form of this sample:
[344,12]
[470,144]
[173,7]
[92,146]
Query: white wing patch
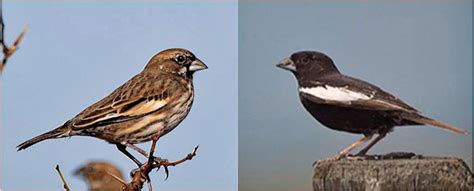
[335,93]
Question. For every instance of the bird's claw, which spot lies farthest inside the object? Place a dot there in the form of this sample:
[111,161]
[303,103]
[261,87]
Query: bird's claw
[330,159]
[164,163]
[356,157]
[167,172]
[158,161]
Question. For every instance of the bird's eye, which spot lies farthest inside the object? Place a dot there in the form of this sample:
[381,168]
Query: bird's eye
[180,59]
[89,170]
[305,60]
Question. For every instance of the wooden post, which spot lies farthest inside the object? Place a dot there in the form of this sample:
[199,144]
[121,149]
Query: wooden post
[391,172]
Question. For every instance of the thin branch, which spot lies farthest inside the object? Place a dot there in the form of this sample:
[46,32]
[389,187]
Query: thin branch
[8,51]
[66,187]
[190,156]
[116,177]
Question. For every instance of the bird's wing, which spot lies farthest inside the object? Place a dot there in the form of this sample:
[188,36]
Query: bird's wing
[349,92]
[137,97]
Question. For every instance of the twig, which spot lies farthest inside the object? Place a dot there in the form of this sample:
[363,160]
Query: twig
[116,177]
[66,187]
[190,156]
[8,51]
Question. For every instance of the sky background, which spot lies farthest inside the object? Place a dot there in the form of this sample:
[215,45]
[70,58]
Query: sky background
[419,51]
[76,53]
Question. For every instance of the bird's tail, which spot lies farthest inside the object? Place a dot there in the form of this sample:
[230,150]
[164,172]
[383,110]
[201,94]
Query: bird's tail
[428,121]
[53,134]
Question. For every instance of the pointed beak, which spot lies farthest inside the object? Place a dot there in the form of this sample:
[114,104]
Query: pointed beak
[79,172]
[287,64]
[197,65]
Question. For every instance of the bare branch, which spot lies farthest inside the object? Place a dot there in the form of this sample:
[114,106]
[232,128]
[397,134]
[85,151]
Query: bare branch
[190,156]
[116,177]
[8,51]
[66,187]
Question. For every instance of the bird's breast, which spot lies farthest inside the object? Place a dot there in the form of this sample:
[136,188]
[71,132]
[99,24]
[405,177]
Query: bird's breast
[348,119]
[162,121]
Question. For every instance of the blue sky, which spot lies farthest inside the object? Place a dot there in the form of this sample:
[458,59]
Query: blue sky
[420,51]
[76,53]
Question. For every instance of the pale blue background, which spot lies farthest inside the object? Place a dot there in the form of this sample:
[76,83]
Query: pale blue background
[76,53]
[421,52]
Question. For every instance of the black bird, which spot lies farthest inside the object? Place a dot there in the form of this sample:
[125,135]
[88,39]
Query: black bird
[348,104]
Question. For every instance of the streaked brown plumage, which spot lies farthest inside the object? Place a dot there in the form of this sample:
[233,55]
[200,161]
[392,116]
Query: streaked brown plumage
[98,176]
[152,103]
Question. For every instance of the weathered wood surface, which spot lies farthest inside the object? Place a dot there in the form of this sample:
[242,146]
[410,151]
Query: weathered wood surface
[393,172]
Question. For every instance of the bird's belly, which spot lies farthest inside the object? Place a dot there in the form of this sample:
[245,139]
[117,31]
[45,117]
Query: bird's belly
[147,132]
[142,129]
[161,125]
[160,128]
[349,119]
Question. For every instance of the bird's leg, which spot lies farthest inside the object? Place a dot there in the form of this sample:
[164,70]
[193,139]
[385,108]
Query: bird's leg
[157,161]
[123,149]
[350,148]
[143,152]
[371,144]
[164,162]
[151,160]
[138,149]
[141,175]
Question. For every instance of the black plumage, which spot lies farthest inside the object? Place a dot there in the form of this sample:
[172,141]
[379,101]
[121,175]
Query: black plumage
[348,104]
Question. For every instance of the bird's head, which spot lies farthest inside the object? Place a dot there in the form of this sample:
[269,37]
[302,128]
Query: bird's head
[97,174]
[308,64]
[177,61]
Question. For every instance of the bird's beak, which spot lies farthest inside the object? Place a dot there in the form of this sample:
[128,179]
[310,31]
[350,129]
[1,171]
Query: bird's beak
[197,65]
[287,64]
[79,172]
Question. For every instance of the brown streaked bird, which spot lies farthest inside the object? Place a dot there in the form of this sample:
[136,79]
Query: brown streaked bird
[348,104]
[152,103]
[99,176]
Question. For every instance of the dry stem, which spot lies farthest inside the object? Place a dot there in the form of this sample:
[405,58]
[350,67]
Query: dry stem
[8,51]
[66,187]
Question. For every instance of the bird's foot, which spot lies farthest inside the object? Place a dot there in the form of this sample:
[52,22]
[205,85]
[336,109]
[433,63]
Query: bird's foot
[166,163]
[342,156]
[330,159]
[157,161]
[356,157]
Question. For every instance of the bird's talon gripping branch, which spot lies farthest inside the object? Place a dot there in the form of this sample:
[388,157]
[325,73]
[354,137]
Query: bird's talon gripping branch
[165,163]
[167,172]
[159,160]
[356,157]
